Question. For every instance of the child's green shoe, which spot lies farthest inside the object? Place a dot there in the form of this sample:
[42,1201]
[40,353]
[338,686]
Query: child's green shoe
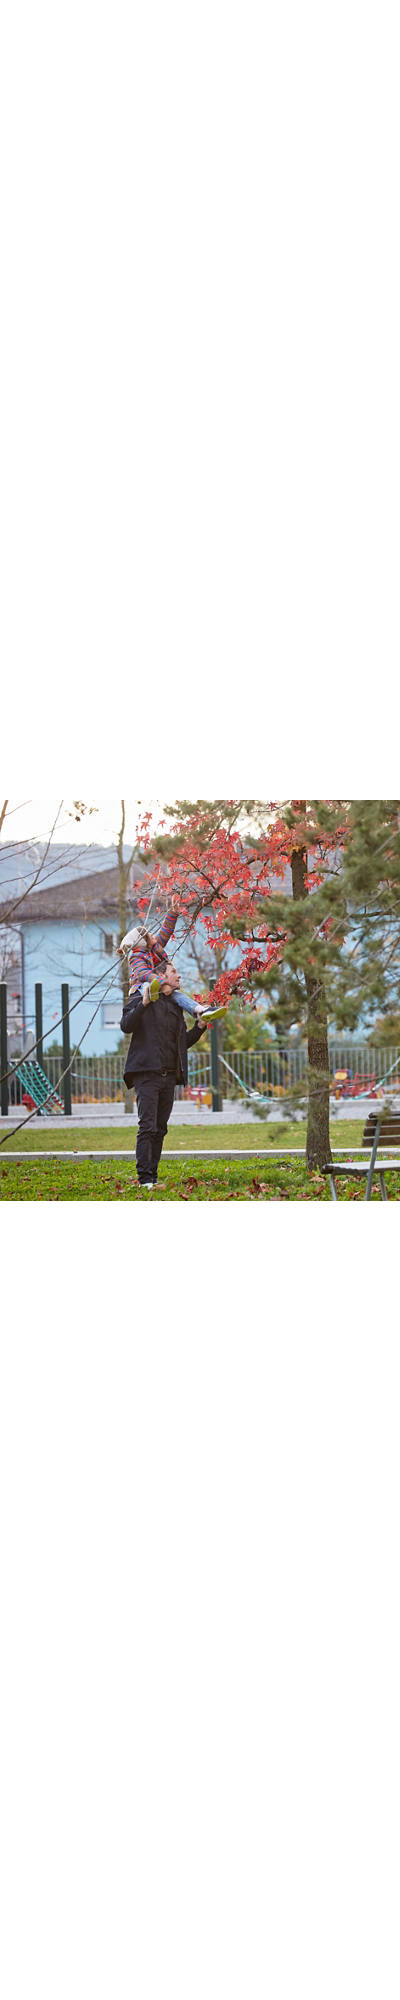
[211,1014]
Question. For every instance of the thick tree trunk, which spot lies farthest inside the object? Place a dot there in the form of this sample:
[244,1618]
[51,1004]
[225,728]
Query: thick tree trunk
[318,1135]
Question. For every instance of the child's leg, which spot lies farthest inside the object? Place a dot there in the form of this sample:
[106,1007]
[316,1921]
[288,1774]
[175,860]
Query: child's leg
[188,1006]
[150,986]
[201,1013]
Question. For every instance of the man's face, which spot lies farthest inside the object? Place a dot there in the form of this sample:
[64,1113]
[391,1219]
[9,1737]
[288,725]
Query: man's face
[172,980]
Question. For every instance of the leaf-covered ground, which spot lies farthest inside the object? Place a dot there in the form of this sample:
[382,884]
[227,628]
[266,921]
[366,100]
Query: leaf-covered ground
[86,1180]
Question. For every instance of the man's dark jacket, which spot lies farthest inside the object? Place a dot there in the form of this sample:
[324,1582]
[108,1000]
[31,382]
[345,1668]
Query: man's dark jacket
[144,1052]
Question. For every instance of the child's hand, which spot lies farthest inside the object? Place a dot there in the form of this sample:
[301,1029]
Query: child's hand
[174,905]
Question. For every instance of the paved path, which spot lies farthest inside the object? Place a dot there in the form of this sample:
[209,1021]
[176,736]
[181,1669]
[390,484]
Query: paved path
[182,1114]
[110,1114]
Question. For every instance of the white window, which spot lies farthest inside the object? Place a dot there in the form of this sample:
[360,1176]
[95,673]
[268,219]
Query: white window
[112,1011]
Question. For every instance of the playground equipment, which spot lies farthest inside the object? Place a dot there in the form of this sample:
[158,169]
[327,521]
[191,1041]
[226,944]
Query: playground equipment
[345,1085]
[36,1086]
[198,1096]
[254,1099]
[29,1070]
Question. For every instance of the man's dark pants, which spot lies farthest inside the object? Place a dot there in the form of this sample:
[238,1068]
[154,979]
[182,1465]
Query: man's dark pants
[155,1097]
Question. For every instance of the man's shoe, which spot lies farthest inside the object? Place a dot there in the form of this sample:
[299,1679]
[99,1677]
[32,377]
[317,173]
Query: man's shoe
[147,1185]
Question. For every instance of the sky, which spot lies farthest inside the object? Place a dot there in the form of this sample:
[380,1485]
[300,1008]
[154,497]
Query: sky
[32,819]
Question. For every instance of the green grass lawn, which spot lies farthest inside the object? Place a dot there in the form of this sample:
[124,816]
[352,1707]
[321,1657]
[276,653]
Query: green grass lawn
[88,1180]
[181,1138]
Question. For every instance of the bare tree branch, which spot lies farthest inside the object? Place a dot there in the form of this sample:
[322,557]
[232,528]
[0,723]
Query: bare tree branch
[7,914]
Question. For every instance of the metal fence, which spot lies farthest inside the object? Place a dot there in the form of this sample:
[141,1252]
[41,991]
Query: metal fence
[99,1079]
[286,1068]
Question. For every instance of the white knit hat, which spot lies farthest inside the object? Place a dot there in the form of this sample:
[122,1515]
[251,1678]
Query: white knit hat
[133,937]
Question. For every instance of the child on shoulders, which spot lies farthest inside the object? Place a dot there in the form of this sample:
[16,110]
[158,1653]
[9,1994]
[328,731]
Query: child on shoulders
[147,960]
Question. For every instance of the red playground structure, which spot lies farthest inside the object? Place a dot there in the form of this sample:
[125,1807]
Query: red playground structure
[346,1085]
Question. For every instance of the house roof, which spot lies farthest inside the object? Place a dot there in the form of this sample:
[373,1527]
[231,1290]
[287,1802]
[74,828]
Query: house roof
[93,895]
[25,865]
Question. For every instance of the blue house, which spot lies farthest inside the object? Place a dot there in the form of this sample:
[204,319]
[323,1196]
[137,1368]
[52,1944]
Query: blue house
[69,934]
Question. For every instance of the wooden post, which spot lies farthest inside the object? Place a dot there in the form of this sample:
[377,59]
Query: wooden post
[3,1050]
[66,1051]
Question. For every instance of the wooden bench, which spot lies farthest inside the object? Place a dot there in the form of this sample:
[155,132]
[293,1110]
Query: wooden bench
[382,1129]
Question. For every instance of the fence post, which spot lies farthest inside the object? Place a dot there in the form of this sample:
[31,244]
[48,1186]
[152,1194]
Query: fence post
[66,1050]
[39,1024]
[215,1084]
[3,1050]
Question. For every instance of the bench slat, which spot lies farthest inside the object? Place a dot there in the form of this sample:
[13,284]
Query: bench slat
[388,1139]
[391,1128]
[392,1119]
[381,1167]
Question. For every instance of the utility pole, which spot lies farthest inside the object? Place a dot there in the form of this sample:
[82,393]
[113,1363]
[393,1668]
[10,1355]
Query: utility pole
[3,1049]
[39,1023]
[66,1051]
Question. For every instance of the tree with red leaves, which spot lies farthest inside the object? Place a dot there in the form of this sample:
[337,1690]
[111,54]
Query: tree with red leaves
[266,880]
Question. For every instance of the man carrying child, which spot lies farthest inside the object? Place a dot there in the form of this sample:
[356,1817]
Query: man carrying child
[157,1056]
[155,1064]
